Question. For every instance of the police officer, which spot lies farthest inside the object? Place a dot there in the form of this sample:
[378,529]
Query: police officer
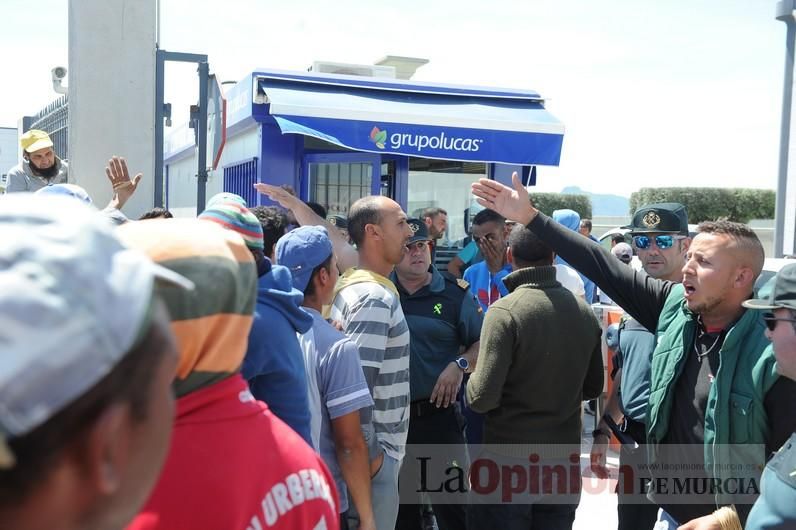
[445,324]
[661,248]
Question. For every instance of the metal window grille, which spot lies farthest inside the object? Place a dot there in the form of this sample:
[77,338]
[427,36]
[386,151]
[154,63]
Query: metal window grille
[240,177]
[54,120]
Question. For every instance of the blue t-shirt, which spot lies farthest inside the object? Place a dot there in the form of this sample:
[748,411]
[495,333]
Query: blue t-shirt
[485,286]
[470,254]
[341,387]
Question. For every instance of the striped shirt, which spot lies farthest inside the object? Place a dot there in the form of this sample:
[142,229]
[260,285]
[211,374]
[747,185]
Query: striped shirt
[372,317]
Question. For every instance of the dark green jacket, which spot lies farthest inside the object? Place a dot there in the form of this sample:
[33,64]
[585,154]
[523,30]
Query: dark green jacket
[735,414]
[540,357]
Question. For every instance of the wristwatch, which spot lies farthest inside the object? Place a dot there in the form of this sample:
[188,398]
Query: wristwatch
[462,363]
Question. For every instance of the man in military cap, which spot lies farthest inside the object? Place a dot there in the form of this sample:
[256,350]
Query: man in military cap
[698,416]
[444,319]
[660,235]
[39,167]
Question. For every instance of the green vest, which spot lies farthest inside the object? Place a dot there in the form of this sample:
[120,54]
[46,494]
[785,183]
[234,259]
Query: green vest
[736,424]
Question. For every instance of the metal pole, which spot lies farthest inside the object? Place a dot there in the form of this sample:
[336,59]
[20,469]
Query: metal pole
[159,96]
[201,181]
[785,14]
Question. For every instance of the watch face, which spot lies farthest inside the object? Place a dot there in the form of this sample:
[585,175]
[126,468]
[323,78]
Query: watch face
[462,362]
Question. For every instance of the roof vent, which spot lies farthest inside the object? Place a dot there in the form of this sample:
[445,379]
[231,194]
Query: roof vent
[362,70]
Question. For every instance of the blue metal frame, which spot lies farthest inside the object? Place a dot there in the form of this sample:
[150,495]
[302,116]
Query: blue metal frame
[239,178]
[401,178]
[161,56]
[351,158]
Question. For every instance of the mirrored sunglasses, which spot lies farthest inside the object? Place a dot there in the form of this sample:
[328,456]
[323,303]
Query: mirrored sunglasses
[662,242]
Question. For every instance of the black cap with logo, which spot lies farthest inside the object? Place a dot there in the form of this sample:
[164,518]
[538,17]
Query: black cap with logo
[338,220]
[665,217]
[419,230]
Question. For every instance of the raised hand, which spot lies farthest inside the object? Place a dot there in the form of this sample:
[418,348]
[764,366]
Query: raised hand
[513,204]
[123,186]
[278,194]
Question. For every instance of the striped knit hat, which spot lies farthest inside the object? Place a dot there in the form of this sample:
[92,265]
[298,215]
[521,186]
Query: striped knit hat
[225,196]
[212,322]
[237,218]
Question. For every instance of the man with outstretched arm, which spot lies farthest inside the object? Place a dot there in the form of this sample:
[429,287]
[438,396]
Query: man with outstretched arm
[696,413]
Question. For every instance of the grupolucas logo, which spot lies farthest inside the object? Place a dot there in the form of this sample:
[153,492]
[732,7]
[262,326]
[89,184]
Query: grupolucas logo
[378,137]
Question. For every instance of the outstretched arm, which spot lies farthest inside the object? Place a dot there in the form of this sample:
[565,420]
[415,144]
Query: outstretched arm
[638,294]
[347,256]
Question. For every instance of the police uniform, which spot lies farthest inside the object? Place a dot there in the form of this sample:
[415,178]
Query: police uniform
[634,345]
[444,319]
[776,506]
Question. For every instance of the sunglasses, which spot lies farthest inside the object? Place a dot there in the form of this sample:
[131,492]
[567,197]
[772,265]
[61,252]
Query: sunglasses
[771,320]
[663,242]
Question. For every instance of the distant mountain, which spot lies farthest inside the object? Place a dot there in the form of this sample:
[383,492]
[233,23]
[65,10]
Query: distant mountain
[602,204]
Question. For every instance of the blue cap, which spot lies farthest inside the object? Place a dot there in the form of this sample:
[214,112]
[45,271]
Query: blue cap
[301,250]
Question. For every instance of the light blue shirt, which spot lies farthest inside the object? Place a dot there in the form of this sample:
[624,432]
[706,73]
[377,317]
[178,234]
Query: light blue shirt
[340,385]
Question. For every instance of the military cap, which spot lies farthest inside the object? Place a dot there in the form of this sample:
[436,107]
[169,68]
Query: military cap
[666,217]
[419,230]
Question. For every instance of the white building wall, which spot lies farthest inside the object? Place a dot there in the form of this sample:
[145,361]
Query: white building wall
[9,152]
[182,172]
[112,94]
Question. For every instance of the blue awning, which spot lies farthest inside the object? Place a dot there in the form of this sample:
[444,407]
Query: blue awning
[430,121]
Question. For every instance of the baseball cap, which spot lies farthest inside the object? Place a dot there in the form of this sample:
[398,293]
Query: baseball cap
[666,217]
[419,230]
[34,139]
[782,294]
[73,301]
[236,217]
[339,221]
[623,251]
[301,250]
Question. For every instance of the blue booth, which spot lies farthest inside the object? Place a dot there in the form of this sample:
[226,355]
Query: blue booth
[335,138]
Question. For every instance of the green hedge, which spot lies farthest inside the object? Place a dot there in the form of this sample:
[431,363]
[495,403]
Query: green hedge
[548,202]
[709,204]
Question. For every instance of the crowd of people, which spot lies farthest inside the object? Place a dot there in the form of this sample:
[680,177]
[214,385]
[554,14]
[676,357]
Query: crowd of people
[275,367]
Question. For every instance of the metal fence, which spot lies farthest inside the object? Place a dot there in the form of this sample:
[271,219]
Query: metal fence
[54,120]
[240,178]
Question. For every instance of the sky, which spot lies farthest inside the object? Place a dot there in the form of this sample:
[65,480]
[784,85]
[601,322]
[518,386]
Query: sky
[652,93]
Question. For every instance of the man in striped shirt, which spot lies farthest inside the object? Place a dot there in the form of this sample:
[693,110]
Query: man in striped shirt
[367,305]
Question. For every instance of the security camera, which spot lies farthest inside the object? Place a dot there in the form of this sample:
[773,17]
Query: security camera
[58,75]
[59,72]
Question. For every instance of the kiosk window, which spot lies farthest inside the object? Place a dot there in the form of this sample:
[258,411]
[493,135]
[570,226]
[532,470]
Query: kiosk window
[444,184]
[337,185]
